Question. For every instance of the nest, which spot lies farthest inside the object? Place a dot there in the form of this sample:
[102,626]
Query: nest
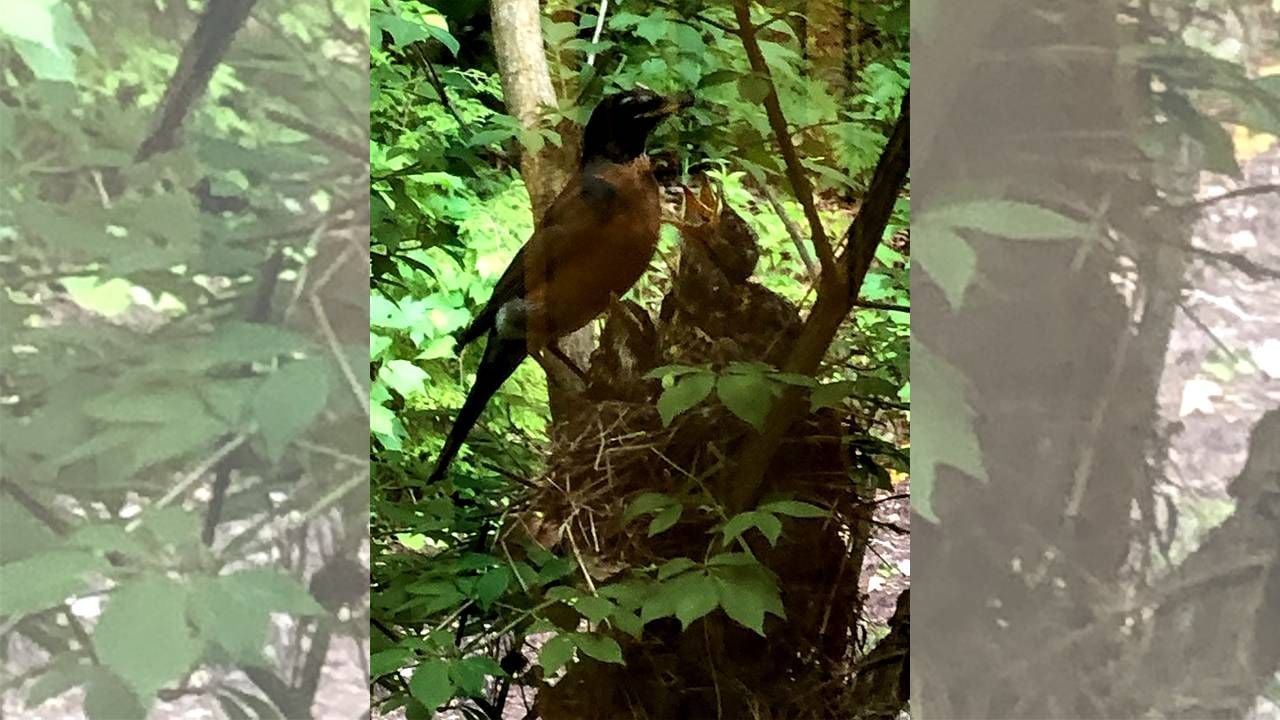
[613,447]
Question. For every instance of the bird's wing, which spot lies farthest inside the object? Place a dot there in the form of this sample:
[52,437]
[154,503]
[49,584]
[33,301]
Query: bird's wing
[568,221]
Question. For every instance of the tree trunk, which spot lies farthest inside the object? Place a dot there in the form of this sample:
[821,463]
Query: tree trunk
[527,88]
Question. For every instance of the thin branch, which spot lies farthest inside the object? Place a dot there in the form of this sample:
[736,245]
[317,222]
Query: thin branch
[778,123]
[794,232]
[439,87]
[595,36]
[867,229]
[46,516]
[1213,337]
[331,139]
[873,305]
[1203,203]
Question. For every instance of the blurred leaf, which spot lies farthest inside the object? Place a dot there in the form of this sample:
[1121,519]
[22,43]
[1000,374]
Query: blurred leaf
[942,427]
[107,697]
[143,635]
[289,400]
[44,581]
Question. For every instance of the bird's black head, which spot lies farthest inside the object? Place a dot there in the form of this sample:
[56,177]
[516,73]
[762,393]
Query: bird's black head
[621,123]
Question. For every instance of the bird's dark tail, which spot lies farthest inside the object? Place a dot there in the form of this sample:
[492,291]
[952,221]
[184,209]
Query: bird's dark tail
[501,358]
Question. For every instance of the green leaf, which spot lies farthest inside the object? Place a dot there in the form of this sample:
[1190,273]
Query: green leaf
[273,590]
[21,536]
[718,77]
[653,27]
[171,526]
[688,391]
[768,525]
[143,634]
[830,395]
[946,257]
[388,661]
[64,673]
[31,21]
[793,508]
[556,654]
[666,518]
[225,618]
[110,298]
[747,396]
[44,581]
[942,427]
[107,697]
[1009,219]
[1219,148]
[600,647]
[237,342]
[647,503]
[593,608]
[444,37]
[628,622]
[732,559]
[746,593]
[469,674]
[753,88]
[104,538]
[403,32]
[430,684]
[290,399]
[403,376]
[673,371]
[674,567]
[492,585]
[695,596]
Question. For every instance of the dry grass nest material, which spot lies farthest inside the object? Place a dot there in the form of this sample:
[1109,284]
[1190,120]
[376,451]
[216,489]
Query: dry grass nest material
[613,452]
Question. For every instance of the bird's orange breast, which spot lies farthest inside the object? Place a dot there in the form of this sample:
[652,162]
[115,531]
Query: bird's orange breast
[590,253]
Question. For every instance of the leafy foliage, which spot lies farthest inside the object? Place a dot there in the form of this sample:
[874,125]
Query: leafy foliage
[452,604]
[144,345]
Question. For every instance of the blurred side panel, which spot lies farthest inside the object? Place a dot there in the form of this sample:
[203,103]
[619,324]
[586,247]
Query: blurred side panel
[183,413]
[1095,359]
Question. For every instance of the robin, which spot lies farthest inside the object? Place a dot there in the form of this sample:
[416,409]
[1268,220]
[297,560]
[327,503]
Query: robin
[594,242]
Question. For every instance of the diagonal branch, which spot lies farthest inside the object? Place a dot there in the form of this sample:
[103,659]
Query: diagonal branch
[778,123]
[745,481]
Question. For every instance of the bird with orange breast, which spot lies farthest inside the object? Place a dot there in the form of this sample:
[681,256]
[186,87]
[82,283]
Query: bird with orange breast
[593,243]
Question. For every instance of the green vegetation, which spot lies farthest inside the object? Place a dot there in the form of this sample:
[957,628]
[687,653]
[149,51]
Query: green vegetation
[145,353]
[461,581]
